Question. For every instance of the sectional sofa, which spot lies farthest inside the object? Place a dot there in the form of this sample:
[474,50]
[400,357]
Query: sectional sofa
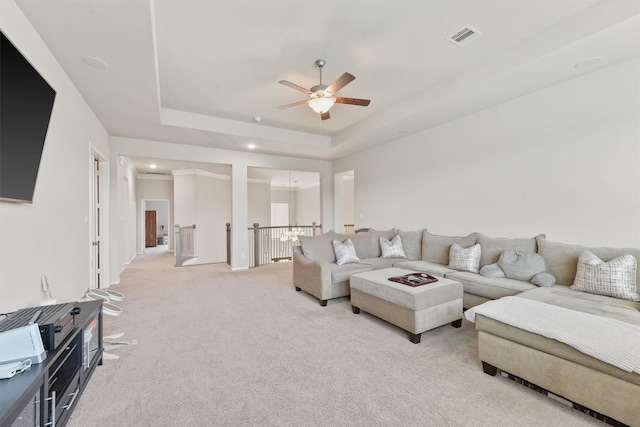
[520,324]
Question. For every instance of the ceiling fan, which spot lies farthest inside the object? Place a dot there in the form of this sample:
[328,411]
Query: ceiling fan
[321,97]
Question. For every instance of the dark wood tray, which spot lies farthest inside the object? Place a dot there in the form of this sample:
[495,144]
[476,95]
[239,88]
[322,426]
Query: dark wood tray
[414,279]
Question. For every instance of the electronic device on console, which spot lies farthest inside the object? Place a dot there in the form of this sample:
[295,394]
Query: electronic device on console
[55,322]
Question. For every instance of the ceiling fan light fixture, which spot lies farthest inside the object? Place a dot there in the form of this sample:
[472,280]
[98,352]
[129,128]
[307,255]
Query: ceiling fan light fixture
[321,104]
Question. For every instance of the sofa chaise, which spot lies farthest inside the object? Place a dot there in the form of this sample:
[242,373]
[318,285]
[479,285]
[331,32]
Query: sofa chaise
[557,367]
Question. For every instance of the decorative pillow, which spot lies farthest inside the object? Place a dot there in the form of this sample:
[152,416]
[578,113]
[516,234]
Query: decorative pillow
[544,279]
[392,248]
[616,278]
[345,252]
[517,265]
[521,265]
[491,270]
[464,259]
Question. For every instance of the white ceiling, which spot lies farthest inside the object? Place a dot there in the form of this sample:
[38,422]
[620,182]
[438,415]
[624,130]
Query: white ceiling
[200,71]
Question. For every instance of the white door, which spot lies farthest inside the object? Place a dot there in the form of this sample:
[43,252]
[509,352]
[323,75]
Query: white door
[96,224]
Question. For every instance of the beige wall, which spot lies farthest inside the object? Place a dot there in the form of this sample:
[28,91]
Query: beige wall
[51,236]
[564,161]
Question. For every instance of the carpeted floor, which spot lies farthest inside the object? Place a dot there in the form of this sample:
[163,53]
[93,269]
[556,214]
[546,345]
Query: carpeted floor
[223,348]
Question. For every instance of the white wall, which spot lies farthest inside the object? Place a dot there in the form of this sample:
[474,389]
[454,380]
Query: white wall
[308,206]
[51,236]
[284,195]
[204,200]
[259,203]
[126,223]
[564,161]
[213,200]
[348,206]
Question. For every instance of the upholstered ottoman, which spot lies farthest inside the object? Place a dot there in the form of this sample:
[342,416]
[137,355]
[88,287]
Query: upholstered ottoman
[414,309]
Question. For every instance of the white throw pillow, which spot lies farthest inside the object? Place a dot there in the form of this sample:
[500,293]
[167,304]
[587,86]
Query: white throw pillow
[616,278]
[465,259]
[392,248]
[345,252]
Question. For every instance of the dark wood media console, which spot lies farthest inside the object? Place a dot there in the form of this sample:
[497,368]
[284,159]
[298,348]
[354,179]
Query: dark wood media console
[47,393]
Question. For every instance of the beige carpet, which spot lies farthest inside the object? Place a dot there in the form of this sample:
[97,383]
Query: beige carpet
[226,348]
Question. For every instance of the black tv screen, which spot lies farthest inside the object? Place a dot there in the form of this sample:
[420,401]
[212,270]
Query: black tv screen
[26,102]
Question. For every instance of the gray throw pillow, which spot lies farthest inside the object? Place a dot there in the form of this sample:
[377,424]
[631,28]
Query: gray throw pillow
[464,259]
[521,265]
[616,278]
[392,248]
[345,252]
[491,270]
[544,279]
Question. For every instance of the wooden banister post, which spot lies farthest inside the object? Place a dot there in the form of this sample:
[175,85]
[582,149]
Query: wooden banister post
[228,243]
[256,244]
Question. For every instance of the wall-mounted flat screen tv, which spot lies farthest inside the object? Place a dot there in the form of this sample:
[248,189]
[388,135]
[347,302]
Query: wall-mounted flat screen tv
[26,102]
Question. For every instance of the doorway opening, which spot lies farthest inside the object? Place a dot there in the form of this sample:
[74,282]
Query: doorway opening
[156,226]
[97,211]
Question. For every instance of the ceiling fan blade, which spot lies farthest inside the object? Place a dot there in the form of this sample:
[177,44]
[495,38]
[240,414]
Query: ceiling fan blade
[293,104]
[294,86]
[325,115]
[341,82]
[353,101]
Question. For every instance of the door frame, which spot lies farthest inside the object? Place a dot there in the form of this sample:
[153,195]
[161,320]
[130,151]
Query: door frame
[143,208]
[96,220]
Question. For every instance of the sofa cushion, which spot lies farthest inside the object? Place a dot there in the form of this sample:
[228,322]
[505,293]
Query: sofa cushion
[411,243]
[379,262]
[464,259]
[428,267]
[319,247]
[341,273]
[492,247]
[615,278]
[345,252]
[365,243]
[435,248]
[598,305]
[562,258]
[376,234]
[489,287]
[392,248]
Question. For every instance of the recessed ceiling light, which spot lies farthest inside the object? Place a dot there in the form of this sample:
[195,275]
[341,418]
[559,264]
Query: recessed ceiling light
[94,62]
[257,119]
[589,62]
[251,146]
[152,166]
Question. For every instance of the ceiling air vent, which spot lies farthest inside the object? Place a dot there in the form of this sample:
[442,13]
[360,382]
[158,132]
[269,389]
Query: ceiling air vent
[155,173]
[464,36]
